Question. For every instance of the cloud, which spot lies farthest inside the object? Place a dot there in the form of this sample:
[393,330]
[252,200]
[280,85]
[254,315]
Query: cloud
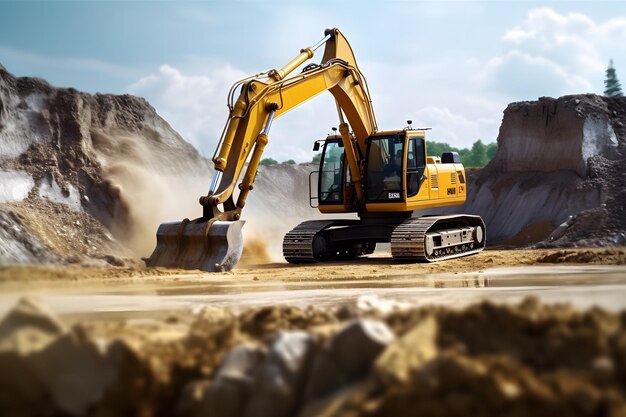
[194,104]
[550,53]
[460,97]
[523,76]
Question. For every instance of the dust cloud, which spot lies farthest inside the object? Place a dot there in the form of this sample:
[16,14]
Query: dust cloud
[154,193]
[255,250]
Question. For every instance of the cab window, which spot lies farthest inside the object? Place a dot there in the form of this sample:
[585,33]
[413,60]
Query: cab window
[330,183]
[416,164]
[384,168]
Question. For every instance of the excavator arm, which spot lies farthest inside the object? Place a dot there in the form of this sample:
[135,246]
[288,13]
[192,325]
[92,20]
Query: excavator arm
[213,242]
[265,98]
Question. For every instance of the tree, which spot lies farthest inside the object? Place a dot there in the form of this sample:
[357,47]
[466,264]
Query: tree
[317,158]
[478,155]
[289,162]
[268,161]
[437,148]
[492,148]
[611,84]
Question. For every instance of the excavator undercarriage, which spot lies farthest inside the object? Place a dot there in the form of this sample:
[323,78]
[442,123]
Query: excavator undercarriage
[413,239]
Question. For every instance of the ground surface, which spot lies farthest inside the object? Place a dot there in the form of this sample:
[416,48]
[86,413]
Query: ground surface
[125,291]
[504,332]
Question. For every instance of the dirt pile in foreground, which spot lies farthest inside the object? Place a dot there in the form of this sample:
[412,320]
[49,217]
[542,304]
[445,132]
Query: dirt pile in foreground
[484,360]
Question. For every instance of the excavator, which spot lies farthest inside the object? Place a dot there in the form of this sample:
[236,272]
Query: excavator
[382,176]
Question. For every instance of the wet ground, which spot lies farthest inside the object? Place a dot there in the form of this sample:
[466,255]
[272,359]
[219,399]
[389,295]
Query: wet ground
[139,292]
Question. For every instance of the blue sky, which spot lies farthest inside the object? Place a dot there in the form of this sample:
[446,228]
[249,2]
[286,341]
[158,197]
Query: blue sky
[452,66]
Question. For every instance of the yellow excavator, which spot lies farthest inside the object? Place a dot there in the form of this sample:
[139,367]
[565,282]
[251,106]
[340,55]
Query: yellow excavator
[383,176]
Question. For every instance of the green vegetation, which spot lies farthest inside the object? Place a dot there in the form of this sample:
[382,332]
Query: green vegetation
[478,156]
[611,84]
[268,161]
[272,161]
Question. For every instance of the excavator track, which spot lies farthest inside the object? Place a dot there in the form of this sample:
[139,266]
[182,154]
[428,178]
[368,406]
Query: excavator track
[307,243]
[437,238]
[298,244]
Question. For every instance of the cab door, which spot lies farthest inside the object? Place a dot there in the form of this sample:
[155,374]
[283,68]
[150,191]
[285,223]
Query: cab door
[415,165]
[333,178]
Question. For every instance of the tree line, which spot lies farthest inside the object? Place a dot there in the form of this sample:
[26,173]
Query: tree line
[478,155]
[272,161]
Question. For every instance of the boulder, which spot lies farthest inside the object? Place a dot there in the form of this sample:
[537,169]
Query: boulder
[279,383]
[348,356]
[409,353]
[28,327]
[234,383]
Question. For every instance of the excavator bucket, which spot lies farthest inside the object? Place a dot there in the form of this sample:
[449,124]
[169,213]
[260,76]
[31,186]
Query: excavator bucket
[213,246]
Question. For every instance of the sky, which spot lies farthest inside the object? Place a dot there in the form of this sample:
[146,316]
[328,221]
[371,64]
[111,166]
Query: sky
[449,65]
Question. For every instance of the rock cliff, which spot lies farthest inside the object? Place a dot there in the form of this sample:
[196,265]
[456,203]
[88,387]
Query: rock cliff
[68,158]
[558,160]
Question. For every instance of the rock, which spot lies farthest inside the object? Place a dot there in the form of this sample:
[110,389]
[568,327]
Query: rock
[343,403]
[134,390]
[552,134]
[561,229]
[373,302]
[279,383]
[21,392]
[28,327]
[72,374]
[358,343]
[74,371]
[408,353]
[348,356]
[47,370]
[190,399]
[233,385]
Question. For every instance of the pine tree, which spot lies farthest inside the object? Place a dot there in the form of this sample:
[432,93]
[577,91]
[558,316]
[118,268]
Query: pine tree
[612,86]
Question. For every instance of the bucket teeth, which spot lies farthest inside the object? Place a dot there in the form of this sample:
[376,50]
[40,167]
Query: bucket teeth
[209,246]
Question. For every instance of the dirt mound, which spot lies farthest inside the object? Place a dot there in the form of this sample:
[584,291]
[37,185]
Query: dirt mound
[612,256]
[568,159]
[285,361]
[561,134]
[109,157]
[558,160]
[61,234]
